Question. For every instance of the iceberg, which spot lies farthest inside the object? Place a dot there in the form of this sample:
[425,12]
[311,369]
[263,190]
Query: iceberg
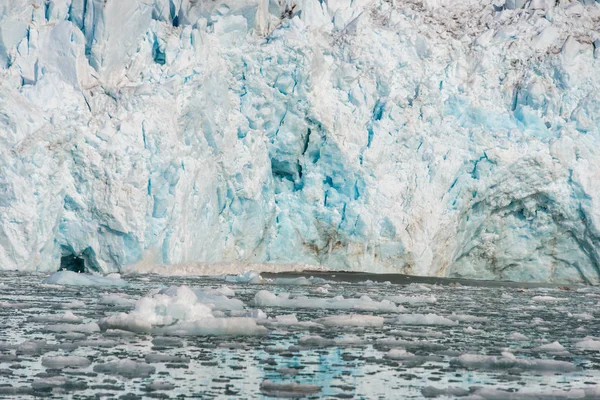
[447,138]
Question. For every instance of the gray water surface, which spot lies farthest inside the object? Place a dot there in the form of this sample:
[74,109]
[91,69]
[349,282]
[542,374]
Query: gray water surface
[237,367]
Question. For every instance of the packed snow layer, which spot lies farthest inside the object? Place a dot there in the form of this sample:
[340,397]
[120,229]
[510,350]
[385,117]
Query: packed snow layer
[429,137]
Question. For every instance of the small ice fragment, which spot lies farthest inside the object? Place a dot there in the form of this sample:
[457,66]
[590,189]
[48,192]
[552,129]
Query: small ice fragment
[288,390]
[222,291]
[75,279]
[399,299]
[300,281]
[588,344]
[84,328]
[550,348]
[126,368]
[398,354]
[117,299]
[423,319]
[60,362]
[518,336]
[166,358]
[547,299]
[356,320]
[251,277]
[67,317]
[265,298]
[155,386]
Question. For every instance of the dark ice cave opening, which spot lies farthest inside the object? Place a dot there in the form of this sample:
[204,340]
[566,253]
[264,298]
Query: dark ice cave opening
[72,263]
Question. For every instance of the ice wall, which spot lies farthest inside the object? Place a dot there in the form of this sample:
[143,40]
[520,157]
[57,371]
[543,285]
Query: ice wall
[428,137]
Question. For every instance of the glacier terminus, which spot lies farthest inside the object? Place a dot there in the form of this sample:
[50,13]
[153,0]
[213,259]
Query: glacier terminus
[426,137]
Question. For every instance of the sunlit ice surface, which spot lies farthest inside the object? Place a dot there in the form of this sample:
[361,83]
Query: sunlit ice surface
[249,336]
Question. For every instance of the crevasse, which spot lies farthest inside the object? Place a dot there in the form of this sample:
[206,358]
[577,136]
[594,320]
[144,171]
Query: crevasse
[428,137]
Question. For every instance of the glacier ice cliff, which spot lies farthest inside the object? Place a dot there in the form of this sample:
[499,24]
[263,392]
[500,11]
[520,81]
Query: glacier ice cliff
[429,137]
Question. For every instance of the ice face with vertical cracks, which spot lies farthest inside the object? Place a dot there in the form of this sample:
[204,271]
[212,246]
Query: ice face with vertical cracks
[424,137]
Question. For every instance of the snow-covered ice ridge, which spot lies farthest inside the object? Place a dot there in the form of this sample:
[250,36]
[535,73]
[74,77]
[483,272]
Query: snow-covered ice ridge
[433,137]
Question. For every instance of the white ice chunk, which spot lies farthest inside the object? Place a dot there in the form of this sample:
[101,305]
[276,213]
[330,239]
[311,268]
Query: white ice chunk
[399,299]
[547,299]
[352,320]
[553,347]
[75,279]
[179,311]
[117,299]
[60,362]
[292,390]
[588,344]
[84,328]
[67,317]
[508,361]
[265,298]
[423,319]
[398,354]
[126,368]
[518,336]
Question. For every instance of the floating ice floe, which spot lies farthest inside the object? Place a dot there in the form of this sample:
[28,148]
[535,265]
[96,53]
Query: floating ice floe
[398,354]
[83,328]
[400,299]
[423,319]
[289,321]
[265,298]
[220,291]
[74,279]
[67,317]
[553,347]
[518,336]
[319,341]
[252,277]
[588,343]
[509,361]
[288,390]
[321,289]
[467,318]
[117,299]
[60,362]
[126,368]
[179,311]
[547,299]
[356,320]
[166,358]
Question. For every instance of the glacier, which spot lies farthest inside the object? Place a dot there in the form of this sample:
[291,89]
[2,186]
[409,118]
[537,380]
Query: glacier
[427,137]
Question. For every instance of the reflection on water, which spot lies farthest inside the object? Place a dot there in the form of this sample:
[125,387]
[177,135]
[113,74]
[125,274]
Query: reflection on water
[509,323]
